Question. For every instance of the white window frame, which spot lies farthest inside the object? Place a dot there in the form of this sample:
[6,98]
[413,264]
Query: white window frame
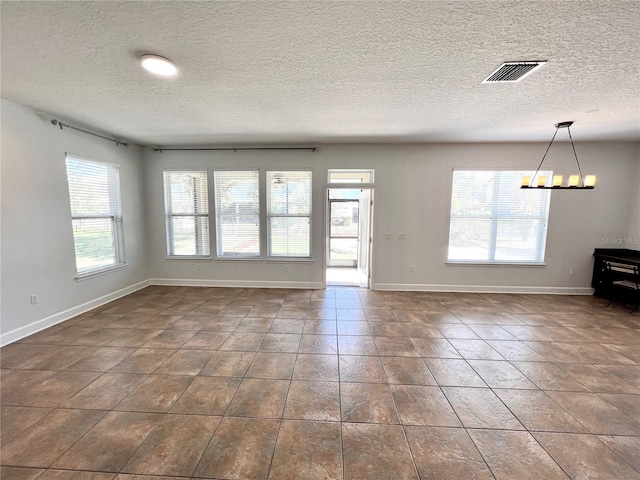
[114,215]
[219,235]
[495,217]
[270,215]
[169,216]
[341,176]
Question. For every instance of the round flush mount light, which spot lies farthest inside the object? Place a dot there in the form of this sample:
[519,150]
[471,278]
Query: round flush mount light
[158,65]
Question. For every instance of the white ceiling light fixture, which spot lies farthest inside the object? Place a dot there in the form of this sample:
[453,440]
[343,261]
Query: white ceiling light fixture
[158,65]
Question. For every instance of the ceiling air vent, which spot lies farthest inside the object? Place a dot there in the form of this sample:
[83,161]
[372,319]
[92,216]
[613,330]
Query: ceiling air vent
[513,71]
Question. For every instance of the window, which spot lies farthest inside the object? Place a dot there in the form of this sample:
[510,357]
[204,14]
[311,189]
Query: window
[237,214]
[289,214]
[96,215]
[187,213]
[350,176]
[494,221]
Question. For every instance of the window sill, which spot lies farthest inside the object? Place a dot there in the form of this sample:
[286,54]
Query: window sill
[103,271]
[189,258]
[238,259]
[289,260]
[494,264]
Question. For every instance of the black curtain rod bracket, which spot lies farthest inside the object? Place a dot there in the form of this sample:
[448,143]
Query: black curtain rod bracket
[60,124]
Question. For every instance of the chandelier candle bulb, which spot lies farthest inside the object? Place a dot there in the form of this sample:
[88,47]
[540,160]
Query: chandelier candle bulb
[542,180]
[574,180]
[557,180]
[526,181]
[590,181]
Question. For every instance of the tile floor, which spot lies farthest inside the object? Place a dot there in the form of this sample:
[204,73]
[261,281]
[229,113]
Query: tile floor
[331,384]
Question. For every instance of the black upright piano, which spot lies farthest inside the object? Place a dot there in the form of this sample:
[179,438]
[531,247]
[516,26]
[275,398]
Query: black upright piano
[616,275]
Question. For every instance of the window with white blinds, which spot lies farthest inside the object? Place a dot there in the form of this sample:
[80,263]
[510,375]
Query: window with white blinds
[96,215]
[237,214]
[494,221]
[289,214]
[187,213]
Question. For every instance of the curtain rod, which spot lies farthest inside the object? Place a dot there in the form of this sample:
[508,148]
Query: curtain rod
[232,149]
[60,124]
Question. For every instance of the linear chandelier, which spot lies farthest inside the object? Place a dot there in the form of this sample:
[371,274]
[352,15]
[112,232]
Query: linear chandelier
[576,182]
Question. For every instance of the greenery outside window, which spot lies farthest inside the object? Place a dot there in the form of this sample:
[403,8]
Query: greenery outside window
[289,214]
[237,214]
[494,221]
[187,213]
[96,215]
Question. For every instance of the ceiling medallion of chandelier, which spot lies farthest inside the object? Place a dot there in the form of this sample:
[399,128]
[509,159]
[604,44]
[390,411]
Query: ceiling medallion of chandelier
[576,182]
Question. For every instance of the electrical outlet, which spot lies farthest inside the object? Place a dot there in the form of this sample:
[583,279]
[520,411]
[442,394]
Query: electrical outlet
[286,268]
[388,236]
[34,299]
[572,271]
[402,236]
[198,267]
[412,268]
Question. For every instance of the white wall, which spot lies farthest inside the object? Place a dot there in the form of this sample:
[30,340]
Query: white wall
[37,250]
[412,195]
[633,234]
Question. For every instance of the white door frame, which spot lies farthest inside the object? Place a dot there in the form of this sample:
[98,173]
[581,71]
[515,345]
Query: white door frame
[350,186]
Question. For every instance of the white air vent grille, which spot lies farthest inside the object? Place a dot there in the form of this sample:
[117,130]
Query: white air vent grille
[513,71]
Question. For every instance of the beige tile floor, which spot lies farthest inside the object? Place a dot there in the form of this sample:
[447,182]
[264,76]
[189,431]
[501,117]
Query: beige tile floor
[340,383]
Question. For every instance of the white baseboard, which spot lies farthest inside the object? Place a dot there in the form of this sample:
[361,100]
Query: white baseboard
[179,282]
[417,287]
[34,327]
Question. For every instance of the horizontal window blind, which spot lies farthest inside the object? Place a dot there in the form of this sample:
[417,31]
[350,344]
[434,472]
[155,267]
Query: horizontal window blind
[237,214]
[289,214]
[96,214]
[187,213]
[494,221]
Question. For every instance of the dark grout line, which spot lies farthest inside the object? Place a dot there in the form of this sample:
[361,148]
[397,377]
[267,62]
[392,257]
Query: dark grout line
[365,302]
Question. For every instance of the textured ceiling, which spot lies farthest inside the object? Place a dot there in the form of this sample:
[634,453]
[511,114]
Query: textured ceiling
[273,72]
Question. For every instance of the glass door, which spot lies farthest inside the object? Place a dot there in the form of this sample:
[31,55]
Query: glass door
[343,230]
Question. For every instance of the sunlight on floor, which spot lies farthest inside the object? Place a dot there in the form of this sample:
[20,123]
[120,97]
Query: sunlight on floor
[343,276]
